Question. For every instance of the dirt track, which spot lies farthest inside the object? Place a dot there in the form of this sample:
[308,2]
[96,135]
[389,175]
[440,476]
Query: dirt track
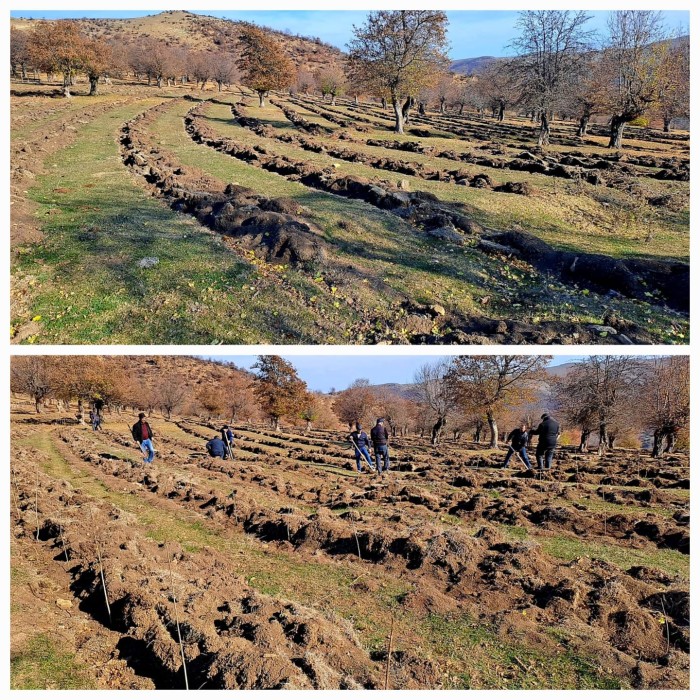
[288,550]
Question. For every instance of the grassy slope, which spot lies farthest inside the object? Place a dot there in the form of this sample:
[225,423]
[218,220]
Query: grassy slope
[99,222]
[85,287]
[570,218]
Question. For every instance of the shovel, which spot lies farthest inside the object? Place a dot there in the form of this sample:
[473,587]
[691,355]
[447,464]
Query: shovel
[369,464]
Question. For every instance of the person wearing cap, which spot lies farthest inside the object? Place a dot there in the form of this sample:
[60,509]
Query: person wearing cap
[216,447]
[380,440]
[360,442]
[547,433]
[142,433]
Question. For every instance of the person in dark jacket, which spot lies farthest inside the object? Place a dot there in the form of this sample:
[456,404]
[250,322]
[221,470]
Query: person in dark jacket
[216,447]
[380,439]
[518,444]
[142,433]
[547,433]
[360,442]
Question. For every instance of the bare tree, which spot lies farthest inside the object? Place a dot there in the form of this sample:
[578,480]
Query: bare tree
[172,394]
[437,394]
[550,48]
[486,383]
[600,391]
[34,375]
[397,53]
[665,401]
[632,66]
[674,80]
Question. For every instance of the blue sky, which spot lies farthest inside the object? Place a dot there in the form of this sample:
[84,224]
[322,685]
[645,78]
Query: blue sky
[471,33]
[323,372]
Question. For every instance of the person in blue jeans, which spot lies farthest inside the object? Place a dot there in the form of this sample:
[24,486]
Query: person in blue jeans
[518,444]
[360,442]
[142,433]
[380,440]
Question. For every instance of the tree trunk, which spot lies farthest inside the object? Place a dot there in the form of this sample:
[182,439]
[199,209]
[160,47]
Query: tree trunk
[477,432]
[81,412]
[357,100]
[39,403]
[543,138]
[670,442]
[94,80]
[159,83]
[583,443]
[583,124]
[436,432]
[658,442]
[276,423]
[667,124]
[261,96]
[442,105]
[461,108]
[493,427]
[421,107]
[603,438]
[398,115]
[219,84]
[406,109]
[333,98]
[308,426]
[383,102]
[617,126]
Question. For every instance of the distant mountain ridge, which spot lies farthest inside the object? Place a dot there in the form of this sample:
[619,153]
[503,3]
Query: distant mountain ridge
[472,66]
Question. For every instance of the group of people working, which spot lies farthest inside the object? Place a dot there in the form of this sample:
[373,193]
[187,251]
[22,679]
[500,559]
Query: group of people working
[548,434]
[379,439]
[221,446]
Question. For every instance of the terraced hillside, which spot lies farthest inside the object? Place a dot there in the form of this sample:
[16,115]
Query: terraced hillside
[151,216]
[285,568]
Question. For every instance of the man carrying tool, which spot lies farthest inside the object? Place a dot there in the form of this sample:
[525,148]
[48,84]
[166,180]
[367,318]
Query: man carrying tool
[360,441]
[227,437]
[380,439]
[518,446]
[548,433]
[142,433]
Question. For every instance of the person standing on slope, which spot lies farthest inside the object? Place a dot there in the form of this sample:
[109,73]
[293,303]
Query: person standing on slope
[142,433]
[548,433]
[360,442]
[380,440]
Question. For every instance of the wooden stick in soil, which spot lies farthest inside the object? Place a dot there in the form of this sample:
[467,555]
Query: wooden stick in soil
[36,501]
[357,541]
[668,631]
[63,542]
[177,623]
[102,571]
[389,652]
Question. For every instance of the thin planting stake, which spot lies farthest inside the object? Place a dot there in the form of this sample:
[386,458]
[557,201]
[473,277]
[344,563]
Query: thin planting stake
[389,652]
[177,623]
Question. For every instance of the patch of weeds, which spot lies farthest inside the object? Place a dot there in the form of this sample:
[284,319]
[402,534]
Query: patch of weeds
[41,665]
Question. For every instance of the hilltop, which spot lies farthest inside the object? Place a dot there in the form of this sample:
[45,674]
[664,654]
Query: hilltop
[200,32]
